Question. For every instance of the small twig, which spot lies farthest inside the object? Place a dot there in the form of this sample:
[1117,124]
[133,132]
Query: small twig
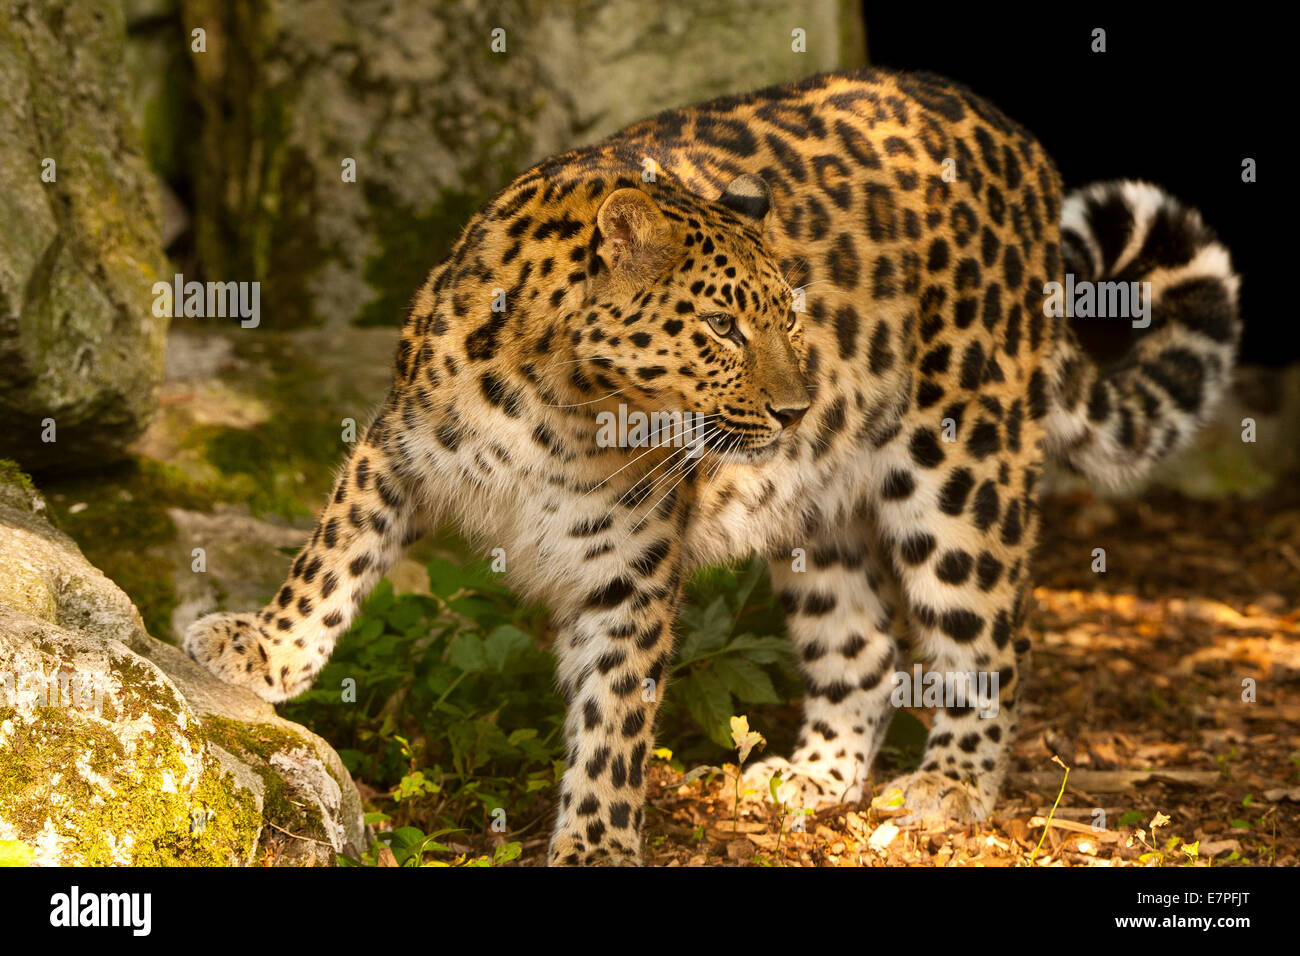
[1119,781]
[1060,793]
[1063,824]
[298,836]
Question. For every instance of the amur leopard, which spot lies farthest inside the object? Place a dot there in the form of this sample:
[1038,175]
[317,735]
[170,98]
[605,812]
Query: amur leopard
[843,281]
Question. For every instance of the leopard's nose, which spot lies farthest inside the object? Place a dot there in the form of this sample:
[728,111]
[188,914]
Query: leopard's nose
[788,417]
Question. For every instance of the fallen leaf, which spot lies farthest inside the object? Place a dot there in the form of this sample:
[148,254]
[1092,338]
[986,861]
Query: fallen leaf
[883,835]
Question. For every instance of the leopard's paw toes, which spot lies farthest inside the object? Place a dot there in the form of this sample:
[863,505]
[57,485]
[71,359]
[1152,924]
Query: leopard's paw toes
[231,647]
[928,797]
[802,785]
[570,849]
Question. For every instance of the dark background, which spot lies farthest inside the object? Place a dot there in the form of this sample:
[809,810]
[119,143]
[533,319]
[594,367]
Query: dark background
[1178,98]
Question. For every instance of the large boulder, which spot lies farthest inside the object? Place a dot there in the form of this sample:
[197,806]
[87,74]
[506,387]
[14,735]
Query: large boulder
[115,748]
[438,105]
[80,249]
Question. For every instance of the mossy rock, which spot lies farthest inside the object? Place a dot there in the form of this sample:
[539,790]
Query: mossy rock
[116,749]
[80,348]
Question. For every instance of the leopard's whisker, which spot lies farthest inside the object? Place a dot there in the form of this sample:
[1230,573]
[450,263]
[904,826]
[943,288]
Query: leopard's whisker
[620,499]
[698,419]
[658,481]
[589,358]
[593,401]
[685,471]
[722,460]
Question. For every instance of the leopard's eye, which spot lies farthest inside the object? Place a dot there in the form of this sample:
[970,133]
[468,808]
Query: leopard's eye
[721,323]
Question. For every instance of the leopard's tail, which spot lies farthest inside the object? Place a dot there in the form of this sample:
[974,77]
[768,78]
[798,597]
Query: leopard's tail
[1113,423]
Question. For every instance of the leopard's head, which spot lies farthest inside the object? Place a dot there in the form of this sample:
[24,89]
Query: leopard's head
[690,313]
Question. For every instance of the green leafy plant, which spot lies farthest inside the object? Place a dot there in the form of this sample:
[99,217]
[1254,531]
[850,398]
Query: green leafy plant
[904,743]
[1130,818]
[783,810]
[411,846]
[1257,828]
[1172,851]
[443,705]
[730,652]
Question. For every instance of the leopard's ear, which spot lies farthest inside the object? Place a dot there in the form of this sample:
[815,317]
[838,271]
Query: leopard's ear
[748,195]
[636,240]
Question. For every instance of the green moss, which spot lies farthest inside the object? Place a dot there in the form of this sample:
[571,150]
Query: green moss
[257,743]
[161,80]
[267,226]
[16,489]
[232,818]
[237,451]
[292,251]
[11,474]
[284,466]
[135,800]
[412,242]
[257,740]
[145,696]
[140,799]
[410,245]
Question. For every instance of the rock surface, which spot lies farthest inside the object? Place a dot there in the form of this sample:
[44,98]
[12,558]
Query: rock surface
[80,247]
[117,749]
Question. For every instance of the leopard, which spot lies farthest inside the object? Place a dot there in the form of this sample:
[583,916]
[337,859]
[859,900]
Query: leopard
[843,282]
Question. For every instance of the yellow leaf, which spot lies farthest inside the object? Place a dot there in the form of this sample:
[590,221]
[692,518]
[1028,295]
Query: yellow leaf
[891,799]
[745,739]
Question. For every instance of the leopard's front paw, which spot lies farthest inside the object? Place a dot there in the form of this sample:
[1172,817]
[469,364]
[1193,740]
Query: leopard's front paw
[805,784]
[929,797]
[573,849]
[233,648]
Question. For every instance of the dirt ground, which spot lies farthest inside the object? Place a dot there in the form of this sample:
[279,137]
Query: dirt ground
[1168,685]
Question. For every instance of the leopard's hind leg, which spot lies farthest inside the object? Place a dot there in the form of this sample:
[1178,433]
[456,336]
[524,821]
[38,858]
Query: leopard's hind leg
[961,539]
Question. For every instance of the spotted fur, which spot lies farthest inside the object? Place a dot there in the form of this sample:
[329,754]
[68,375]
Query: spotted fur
[892,432]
